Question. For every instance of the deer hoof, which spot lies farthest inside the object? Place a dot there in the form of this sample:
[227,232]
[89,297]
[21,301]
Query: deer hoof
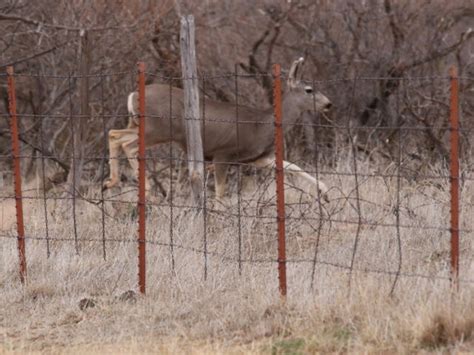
[323,192]
[323,196]
[219,202]
[109,183]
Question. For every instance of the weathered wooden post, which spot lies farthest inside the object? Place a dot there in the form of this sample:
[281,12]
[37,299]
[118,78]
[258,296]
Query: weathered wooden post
[79,125]
[193,122]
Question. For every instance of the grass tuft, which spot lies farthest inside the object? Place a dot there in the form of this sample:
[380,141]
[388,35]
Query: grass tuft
[448,329]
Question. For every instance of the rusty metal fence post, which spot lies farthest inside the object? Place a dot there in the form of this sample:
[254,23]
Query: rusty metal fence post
[141,180]
[454,175]
[17,173]
[279,179]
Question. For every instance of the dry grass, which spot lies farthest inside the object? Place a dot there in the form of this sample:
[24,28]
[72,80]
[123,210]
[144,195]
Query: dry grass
[232,313]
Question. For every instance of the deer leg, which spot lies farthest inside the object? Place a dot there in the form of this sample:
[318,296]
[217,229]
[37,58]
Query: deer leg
[220,176]
[266,162]
[114,150]
[116,138]
[295,169]
[130,147]
[288,167]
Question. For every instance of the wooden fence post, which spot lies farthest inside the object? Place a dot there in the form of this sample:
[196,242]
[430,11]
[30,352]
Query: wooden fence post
[77,160]
[191,108]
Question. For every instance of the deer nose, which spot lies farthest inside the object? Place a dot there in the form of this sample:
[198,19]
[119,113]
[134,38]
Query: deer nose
[327,107]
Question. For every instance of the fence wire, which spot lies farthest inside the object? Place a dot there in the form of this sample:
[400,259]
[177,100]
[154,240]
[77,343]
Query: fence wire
[380,211]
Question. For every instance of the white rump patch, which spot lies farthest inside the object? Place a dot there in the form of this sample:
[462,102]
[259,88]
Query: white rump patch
[130,106]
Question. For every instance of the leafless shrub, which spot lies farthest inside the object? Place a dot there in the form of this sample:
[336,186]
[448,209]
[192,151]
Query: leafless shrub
[342,40]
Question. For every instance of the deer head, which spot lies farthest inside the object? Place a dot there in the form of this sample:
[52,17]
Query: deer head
[303,96]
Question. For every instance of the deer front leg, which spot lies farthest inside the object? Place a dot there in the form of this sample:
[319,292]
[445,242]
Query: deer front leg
[269,163]
[117,137]
[295,169]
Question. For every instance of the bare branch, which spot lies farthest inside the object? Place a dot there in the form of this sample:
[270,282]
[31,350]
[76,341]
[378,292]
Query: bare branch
[397,33]
[39,24]
[35,55]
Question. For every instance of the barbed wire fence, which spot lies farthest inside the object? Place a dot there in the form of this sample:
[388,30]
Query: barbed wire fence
[285,220]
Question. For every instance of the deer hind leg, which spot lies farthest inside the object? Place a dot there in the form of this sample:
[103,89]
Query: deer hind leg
[288,167]
[117,138]
[220,176]
[130,147]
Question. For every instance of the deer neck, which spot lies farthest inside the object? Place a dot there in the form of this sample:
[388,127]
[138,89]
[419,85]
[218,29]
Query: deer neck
[290,111]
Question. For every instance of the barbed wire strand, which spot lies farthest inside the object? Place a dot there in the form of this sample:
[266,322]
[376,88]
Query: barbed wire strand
[397,208]
[318,192]
[74,165]
[325,215]
[356,187]
[249,261]
[45,202]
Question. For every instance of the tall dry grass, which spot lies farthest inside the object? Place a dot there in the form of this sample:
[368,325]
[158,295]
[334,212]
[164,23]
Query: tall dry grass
[332,310]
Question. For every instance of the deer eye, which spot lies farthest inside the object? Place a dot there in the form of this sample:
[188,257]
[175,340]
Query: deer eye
[308,89]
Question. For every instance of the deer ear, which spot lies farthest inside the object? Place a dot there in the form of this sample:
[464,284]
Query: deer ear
[295,72]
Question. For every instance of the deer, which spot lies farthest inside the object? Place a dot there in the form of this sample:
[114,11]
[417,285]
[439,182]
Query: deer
[253,144]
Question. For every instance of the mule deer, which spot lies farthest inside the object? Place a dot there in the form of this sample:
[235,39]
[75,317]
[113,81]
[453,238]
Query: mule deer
[220,145]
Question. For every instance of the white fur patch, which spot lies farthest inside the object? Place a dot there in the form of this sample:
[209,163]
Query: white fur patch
[130,106]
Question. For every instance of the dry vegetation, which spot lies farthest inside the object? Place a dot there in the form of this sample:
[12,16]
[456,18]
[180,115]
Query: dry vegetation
[397,298]
[232,313]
